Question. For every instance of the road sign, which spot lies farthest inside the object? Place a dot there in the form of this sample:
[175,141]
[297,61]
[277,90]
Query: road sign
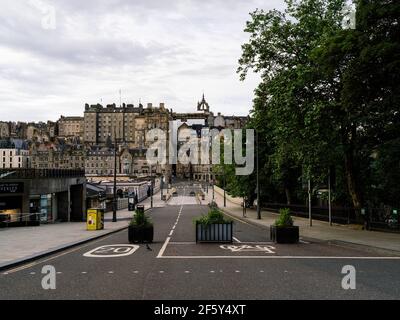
[112,251]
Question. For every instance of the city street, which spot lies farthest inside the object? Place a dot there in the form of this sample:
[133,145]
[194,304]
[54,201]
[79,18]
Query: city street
[175,267]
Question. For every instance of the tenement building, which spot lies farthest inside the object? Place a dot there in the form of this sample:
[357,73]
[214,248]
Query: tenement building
[124,124]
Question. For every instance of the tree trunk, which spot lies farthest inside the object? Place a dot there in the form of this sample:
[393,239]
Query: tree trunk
[288,196]
[352,181]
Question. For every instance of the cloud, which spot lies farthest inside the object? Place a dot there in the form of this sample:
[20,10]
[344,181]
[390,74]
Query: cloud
[156,51]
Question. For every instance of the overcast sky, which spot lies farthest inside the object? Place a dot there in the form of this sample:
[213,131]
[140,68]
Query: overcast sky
[153,50]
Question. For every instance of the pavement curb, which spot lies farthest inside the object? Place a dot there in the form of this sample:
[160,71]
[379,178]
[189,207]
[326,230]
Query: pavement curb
[18,262]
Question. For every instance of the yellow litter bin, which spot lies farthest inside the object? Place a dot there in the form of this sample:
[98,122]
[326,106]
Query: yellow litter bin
[95,219]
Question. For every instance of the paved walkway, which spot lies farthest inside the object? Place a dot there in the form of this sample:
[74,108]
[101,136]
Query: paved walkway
[319,231]
[22,243]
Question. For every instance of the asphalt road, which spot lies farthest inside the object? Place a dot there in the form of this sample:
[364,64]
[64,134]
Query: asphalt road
[175,267]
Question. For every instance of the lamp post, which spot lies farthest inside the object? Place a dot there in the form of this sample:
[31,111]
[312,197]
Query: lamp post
[151,187]
[114,219]
[257,180]
[224,189]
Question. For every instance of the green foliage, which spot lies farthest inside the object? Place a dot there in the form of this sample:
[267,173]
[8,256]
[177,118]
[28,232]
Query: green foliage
[213,216]
[328,99]
[285,219]
[140,219]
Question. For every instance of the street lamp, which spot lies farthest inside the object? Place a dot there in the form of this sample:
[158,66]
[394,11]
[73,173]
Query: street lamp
[258,180]
[151,187]
[114,219]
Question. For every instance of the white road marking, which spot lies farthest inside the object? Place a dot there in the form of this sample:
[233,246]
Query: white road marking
[32,273]
[135,271]
[110,272]
[280,257]
[161,271]
[187,271]
[237,271]
[84,272]
[113,250]
[161,252]
[59,272]
[305,242]
[236,239]
[182,243]
[212,271]
[262,271]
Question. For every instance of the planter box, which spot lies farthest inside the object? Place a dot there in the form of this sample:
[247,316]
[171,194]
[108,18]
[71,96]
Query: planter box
[140,234]
[284,234]
[218,232]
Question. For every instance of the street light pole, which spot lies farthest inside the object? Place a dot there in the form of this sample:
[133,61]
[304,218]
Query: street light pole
[329,198]
[224,189]
[257,180]
[151,187]
[114,219]
[309,202]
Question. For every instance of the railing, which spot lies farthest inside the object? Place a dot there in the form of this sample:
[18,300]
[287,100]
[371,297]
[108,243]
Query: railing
[40,173]
[19,219]
[342,215]
[374,218]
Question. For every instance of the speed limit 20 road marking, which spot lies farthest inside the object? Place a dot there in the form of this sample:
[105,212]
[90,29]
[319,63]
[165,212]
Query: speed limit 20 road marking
[112,251]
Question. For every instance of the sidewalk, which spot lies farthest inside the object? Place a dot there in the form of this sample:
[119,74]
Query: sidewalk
[25,243]
[320,230]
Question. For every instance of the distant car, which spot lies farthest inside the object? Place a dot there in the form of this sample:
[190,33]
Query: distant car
[192,194]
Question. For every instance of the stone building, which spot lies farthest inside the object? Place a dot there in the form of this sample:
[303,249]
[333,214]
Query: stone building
[4,130]
[71,127]
[14,154]
[128,124]
[57,156]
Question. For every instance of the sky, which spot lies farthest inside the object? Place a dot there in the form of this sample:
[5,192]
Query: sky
[57,55]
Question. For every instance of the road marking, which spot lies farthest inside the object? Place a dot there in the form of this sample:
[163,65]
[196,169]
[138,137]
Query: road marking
[161,271]
[112,251]
[32,273]
[212,271]
[182,243]
[59,272]
[305,242]
[248,248]
[135,271]
[236,239]
[110,272]
[187,271]
[171,233]
[237,271]
[161,252]
[84,272]
[262,271]
[280,257]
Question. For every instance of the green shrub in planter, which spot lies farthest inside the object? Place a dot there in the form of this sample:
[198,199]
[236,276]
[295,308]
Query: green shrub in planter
[214,227]
[283,230]
[140,228]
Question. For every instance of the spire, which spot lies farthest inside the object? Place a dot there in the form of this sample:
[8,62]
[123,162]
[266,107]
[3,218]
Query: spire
[203,105]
